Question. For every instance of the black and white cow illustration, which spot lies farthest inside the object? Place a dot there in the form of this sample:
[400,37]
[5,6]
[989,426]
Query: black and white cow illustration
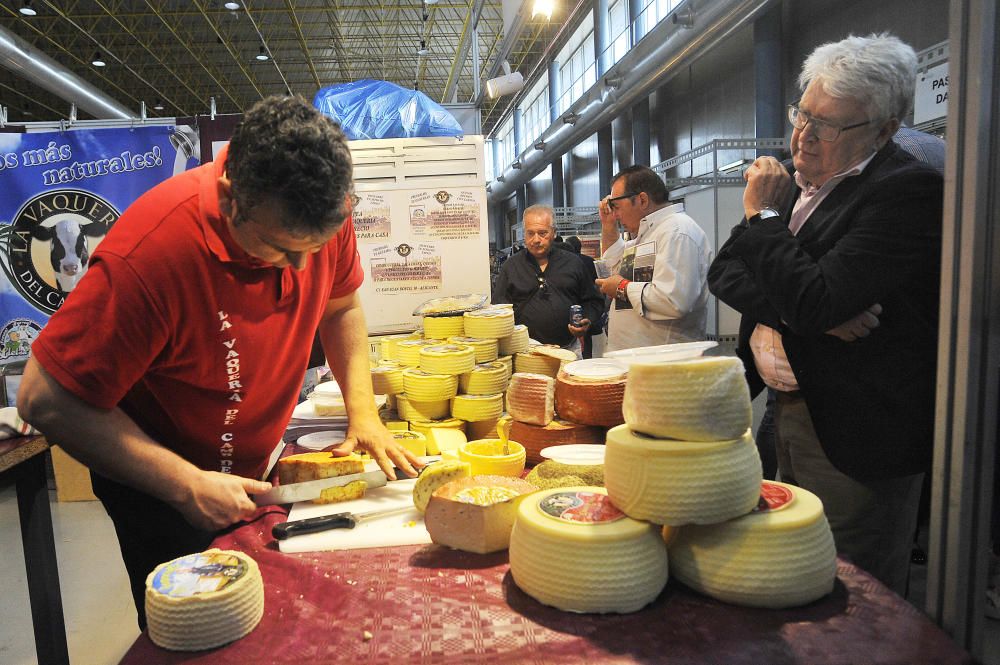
[69,253]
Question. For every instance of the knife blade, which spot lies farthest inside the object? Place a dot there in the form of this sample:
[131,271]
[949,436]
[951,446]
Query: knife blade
[335,521]
[311,489]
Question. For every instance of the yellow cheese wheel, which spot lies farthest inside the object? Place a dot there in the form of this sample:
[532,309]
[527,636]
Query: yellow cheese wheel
[482,429]
[531,398]
[447,359]
[408,350]
[515,342]
[495,322]
[701,399]
[681,482]
[387,379]
[204,600]
[410,409]
[388,344]
[485,349]
[590,401]
[508,362]
[571,548]
[780,555]
[484,379]
[477,407]
[443,327]
[427,387]
[415,442]
[556,433]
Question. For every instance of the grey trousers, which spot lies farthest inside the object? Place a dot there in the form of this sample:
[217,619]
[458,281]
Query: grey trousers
[872,521]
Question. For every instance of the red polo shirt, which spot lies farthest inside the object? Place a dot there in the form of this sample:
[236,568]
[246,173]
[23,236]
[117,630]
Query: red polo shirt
[199,343]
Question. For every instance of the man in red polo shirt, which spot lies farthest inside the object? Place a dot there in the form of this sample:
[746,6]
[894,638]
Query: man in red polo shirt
[173,367]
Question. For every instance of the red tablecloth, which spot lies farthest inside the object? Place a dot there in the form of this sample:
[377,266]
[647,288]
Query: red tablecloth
[428,604]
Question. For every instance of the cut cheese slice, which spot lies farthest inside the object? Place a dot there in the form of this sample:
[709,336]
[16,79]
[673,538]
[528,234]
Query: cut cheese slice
[493,322]
[204,600]
[780,555]
[543,359]
[447,359]
[559,432]
[485,348]
[590,401]
[475,514]
[434,476]
[317,465]
[415,442]
[477,407]
[427,387]
[442,439]
[411,409]
[387,379]
[408,350]
[681,482]
[485,379]
[443,327]
[701,399]
[573,549]
[531,398]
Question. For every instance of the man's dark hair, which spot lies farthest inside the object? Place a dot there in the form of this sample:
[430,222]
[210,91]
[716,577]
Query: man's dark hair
[575,243]
[285,151]
[641,178]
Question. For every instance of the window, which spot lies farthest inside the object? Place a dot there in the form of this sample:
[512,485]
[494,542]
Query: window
[578,66]
[653,12]
[507,150]
[619,33]
[535,112]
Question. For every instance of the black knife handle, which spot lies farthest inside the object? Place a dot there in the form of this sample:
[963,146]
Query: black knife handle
[312,525]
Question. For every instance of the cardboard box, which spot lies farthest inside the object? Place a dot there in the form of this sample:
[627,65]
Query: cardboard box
[72,478]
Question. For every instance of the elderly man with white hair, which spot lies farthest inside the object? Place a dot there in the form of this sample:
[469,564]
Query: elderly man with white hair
[835,269]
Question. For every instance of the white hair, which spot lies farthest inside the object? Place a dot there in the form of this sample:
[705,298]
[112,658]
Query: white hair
[541,209]
[879,71]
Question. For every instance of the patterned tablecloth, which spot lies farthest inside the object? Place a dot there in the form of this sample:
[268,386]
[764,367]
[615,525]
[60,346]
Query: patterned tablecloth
[429,604]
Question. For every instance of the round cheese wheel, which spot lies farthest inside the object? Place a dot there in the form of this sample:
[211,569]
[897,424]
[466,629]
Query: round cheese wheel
[204,600]
[485,349]
[388,344]
[443,327]
[485,379]
[411,409]
[387,379]
[427,387]
[447,359]
[482,429]
[701,399]
[477,407]
[537,363]
[592,401]
[556,433]
[571,548]
[408,350]
[515,342]
[508,362]
[493,322]
[681,482]
[780,555]
[531,398]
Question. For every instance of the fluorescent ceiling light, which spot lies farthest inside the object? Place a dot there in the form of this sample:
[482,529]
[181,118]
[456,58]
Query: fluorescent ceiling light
[27,9]
[232,6]
[98,61]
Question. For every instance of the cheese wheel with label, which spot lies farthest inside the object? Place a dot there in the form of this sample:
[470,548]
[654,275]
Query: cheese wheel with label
[681,482]
[427,387]
[485,349]
[515,342]
[447,359]
[592,401]
[493,322]
[204,600]
[780,555]
[477,407]
[485,379]
[571,548]
[531,398]
[559,432]
[701,399]
[443,327]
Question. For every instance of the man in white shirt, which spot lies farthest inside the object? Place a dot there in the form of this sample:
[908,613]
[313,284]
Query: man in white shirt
[658,277]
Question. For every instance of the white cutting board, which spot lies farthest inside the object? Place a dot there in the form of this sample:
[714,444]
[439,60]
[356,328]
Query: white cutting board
[393,530]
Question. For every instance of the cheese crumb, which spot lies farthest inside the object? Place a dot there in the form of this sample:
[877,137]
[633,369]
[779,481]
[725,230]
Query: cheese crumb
[367,636]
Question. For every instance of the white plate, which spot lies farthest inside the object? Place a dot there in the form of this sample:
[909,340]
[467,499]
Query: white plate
[596,369]
[577,453]
[320,440]
[307,411]
[662,353]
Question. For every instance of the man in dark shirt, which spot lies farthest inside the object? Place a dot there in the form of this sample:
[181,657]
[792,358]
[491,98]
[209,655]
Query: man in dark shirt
[542,283]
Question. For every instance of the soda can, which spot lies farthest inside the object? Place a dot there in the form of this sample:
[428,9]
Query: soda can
[576,314]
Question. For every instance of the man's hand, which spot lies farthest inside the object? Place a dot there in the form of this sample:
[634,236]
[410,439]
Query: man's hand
[377,440]
[215,500]
[580,330]
[858,327]
[606,214]
[768,185]
[609,285]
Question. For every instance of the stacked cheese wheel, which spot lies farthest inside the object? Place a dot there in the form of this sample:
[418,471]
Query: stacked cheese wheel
[543,359]
[443,327]
[591,392]
[201,601]
[447,359]
[387,378]
[424,386]
[515,342]
[485,379]
[492,322]
[408,350]
[485,349]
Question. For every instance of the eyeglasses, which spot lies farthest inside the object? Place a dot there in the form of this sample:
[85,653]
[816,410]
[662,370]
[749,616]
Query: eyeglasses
[824,131]
[626,195]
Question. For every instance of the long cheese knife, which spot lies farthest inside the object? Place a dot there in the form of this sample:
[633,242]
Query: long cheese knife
[311,489]
[336,521]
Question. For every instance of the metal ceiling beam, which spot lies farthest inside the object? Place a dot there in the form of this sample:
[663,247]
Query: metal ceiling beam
[462,53]
[302,42]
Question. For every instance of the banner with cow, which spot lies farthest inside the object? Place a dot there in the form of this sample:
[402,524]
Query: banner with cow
[61,194]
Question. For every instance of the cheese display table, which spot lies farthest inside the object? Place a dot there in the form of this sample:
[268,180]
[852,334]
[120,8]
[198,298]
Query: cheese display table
[429,604]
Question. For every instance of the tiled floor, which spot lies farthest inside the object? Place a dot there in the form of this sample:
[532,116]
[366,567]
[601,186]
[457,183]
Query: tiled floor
[100,619]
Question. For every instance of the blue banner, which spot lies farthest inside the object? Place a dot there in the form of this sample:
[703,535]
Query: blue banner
[61,193]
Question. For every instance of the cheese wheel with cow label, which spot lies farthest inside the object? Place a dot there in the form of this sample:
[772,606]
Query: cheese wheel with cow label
[666,481]
[559,432]
[571,548]
[427,387]
[779,555]
[485,349]
[591,393]
[477,407]
[447,359]
[701,399]
[443,327]
[515,342]
[493,322]
[531,398]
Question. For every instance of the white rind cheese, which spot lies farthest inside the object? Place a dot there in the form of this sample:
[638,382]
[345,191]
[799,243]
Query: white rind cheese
[531,398]
[681,482]
[426,387]
[201,601]
[572,549]
[477,407]
[443,327]
[447,359]
[781,556]
[702,399]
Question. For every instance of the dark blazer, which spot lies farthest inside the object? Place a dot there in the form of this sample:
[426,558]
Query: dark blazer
[875,239]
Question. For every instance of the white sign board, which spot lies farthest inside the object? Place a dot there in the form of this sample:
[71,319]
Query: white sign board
[931,99]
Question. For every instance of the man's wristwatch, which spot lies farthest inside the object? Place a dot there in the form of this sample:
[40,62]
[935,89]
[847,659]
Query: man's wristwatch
[765,213]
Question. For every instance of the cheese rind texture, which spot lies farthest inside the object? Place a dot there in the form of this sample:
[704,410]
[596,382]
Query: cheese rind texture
[572,549]
[515,342]
[477,407]
[204,600]
[423,386]
[559,432]
[702,399]
[415,409]
[492,322]
[434,476]
[770,558]
[681,482]
[447,359]
[443,327]
[485,349]
[485,379]
[475,514]
[531,398]
[387,379]
[590,402]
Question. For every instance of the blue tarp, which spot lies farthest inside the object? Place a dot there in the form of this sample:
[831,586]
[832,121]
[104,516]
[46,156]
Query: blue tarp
[370,109]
